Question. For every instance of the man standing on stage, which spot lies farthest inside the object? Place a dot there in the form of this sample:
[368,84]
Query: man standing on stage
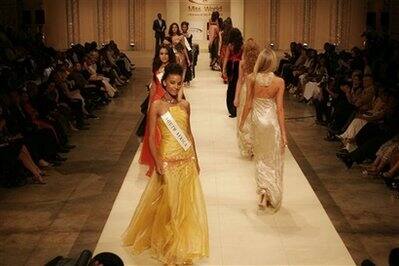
[159,26]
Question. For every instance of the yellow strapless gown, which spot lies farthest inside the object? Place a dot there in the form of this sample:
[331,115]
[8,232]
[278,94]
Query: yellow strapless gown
[170,219]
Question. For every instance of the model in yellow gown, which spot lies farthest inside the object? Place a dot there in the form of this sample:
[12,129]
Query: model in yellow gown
[170,219]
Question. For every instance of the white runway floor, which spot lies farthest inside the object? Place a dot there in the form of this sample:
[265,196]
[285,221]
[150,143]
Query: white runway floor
[299,234]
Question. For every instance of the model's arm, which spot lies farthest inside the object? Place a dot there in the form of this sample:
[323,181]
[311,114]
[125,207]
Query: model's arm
[187,106]
[152,127]
[240,81]
[154,26]
[226,58]
[250,82]
[280,111]
[151,93]
[185,51]
[211,34]
[220,42]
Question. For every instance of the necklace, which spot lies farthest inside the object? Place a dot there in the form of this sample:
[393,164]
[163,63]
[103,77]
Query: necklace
[171,101]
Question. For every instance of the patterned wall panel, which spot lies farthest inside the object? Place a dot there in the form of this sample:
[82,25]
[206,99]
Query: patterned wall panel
[343,22]
[309,15]
[132,8]
[139,24]
[107,16]
[100,21]
[274,21]
[73,21]
[333,21]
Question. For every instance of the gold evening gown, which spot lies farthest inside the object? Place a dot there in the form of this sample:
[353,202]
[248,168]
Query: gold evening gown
[244,135]
[268,154]
[170,219]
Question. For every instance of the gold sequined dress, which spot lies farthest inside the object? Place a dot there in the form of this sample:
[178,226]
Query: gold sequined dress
[244,136]
[268,156]
[170,219]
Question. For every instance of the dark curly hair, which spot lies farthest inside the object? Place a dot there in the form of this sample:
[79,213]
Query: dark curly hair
[170,29]
[156,63]
[172,69]
[235,39]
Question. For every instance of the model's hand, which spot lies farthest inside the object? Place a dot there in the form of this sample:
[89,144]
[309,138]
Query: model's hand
[198,168]
[236,102]
[159,165]
[284,143]
[241,126]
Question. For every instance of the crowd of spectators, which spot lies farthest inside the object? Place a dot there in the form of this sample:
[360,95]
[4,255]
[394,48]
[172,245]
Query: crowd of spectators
[46,95]
[355,96]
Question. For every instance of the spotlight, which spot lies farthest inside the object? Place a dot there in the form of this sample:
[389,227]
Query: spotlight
[305,45]
[131,44]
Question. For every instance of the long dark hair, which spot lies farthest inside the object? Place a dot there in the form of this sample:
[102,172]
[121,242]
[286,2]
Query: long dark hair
[235,39]
[157,63]
[215,16]
[227,27]
[170,29]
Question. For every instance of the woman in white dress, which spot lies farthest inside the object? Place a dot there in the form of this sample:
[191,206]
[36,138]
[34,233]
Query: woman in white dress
[250,54]
[264,101]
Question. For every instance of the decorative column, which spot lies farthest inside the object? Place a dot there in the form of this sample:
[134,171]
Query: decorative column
[333,21]
[131,14]
[343,20]
[100,21]
[274,22]
[136,24]
[104,21]
[309,15]
[107,16]
[72,21]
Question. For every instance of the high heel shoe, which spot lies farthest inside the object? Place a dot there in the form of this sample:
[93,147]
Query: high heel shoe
[261,203]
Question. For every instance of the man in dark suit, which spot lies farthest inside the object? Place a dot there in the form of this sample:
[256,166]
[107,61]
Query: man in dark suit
[159,26]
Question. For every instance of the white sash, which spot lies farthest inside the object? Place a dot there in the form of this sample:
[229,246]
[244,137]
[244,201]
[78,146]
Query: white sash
[176,130]
[160,75]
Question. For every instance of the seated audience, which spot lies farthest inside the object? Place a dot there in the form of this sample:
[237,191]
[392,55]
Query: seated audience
[48,94]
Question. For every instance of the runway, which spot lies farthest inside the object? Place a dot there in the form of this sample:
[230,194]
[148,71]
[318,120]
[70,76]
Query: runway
[299,234]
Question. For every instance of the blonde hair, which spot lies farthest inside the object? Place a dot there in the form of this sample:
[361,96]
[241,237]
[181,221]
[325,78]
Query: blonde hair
[266,62]
[250,54]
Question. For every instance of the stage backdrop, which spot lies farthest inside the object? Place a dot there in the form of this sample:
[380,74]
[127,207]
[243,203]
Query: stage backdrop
[268,21]
[198,13]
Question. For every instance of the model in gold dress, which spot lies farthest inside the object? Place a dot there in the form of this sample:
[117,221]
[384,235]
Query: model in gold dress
[170,219]
[249,55]
[264,103]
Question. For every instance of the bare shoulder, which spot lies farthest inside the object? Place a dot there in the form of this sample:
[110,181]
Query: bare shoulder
[250,77]
[156,105]
[279,81]
[185,104]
